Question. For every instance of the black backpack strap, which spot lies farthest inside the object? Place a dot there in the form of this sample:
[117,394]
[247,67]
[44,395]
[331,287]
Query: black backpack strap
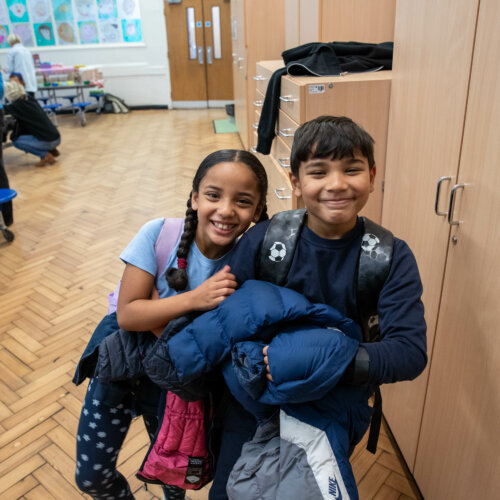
[279,244]
[373,268]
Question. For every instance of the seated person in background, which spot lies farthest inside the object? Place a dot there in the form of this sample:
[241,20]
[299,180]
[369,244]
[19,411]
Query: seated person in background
[17,77]
[20,60]
[34,132]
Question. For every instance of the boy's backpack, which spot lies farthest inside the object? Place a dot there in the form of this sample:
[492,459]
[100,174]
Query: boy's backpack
[374,263]
[179,453]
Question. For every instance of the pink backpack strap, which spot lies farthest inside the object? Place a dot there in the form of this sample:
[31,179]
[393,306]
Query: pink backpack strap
[167,240]
[170,234]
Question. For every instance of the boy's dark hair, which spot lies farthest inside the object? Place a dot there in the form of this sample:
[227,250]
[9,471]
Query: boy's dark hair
[177,278]
[333,137]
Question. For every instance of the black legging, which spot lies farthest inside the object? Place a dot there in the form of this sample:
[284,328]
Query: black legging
[102,429]
[7,212]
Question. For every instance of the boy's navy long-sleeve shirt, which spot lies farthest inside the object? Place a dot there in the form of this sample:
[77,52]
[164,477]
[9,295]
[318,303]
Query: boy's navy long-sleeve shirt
[324,271]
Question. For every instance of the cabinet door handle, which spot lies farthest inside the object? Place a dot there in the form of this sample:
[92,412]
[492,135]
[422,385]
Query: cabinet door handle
[240,60]
[284,162]
[287,98]
[259,103]
[200,55]
[436,205]
[285,132]
[253,149]
[259,78]
[281,197]
[255,125]
[209,55]
[453,193]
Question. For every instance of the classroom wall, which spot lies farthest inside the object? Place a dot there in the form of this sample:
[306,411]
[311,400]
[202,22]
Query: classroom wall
[138,73]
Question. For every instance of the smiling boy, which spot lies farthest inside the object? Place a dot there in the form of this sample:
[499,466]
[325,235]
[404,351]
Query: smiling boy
[333,171]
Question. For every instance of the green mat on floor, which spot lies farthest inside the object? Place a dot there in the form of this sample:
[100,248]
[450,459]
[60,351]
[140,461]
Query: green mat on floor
[225,126]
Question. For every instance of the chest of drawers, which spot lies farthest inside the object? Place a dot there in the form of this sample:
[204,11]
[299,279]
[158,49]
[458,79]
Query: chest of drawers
[364,97]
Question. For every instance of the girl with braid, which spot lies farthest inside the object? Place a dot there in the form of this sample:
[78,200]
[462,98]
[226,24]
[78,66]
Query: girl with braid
[228,194]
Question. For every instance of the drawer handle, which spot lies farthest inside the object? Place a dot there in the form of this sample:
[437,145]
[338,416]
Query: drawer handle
[284,162]
[451,210]
[285,132]
[255,125]
[259,103]
[436,203]
[287,98]
[281,197]
[259,78]
[253,149]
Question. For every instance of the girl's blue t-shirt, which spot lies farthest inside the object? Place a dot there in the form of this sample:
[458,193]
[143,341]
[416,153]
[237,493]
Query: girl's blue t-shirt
[140,252]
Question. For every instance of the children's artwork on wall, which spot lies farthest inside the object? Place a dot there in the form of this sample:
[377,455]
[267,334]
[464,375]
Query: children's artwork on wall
[110,31]
[131,30]
[4,33]
[107,9]
[129,9]
[53,23]
[88,32]
[63,10]
[41,11]
[44,34]
[23,31]
[18,11]
[66,33]
[85,10]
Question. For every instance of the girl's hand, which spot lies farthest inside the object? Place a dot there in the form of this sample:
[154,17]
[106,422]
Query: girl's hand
[266,361]
[214,290]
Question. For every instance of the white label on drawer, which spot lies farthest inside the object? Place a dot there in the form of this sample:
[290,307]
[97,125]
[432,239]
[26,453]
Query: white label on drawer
[317,89]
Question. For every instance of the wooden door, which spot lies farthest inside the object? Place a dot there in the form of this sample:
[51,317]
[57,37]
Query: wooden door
[199,51]
[427,111]
[217,16]
[457,455]
[186,50]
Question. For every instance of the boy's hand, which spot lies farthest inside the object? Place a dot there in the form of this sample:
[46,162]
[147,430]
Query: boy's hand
[266,361]
[214,290]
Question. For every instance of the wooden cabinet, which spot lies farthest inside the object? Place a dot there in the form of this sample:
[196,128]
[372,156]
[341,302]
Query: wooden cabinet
[363,97]
[445,122]
[258,32]
[369,21]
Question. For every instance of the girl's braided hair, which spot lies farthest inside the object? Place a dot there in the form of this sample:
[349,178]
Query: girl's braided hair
[177,278]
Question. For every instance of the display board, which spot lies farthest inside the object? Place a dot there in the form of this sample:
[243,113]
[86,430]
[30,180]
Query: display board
[57,23]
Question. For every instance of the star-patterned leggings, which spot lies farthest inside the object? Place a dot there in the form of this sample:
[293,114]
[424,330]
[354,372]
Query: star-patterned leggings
[101,431]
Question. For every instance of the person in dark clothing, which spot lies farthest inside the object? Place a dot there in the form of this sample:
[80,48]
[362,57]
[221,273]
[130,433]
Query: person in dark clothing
[34,132]
[4,181]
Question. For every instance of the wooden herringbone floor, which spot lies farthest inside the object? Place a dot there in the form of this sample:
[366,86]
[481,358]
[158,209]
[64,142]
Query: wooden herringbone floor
[72,220]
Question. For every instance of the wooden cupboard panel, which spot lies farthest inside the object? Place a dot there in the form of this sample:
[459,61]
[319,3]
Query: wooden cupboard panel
[258,102]
[290,99]
[264,71]
[239,70]
[280,152]
[286,128]
[264,38]
[428,98]
[256,114]
[309,21]
[279,194]
[292,17]
[457,454]
[370,21]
